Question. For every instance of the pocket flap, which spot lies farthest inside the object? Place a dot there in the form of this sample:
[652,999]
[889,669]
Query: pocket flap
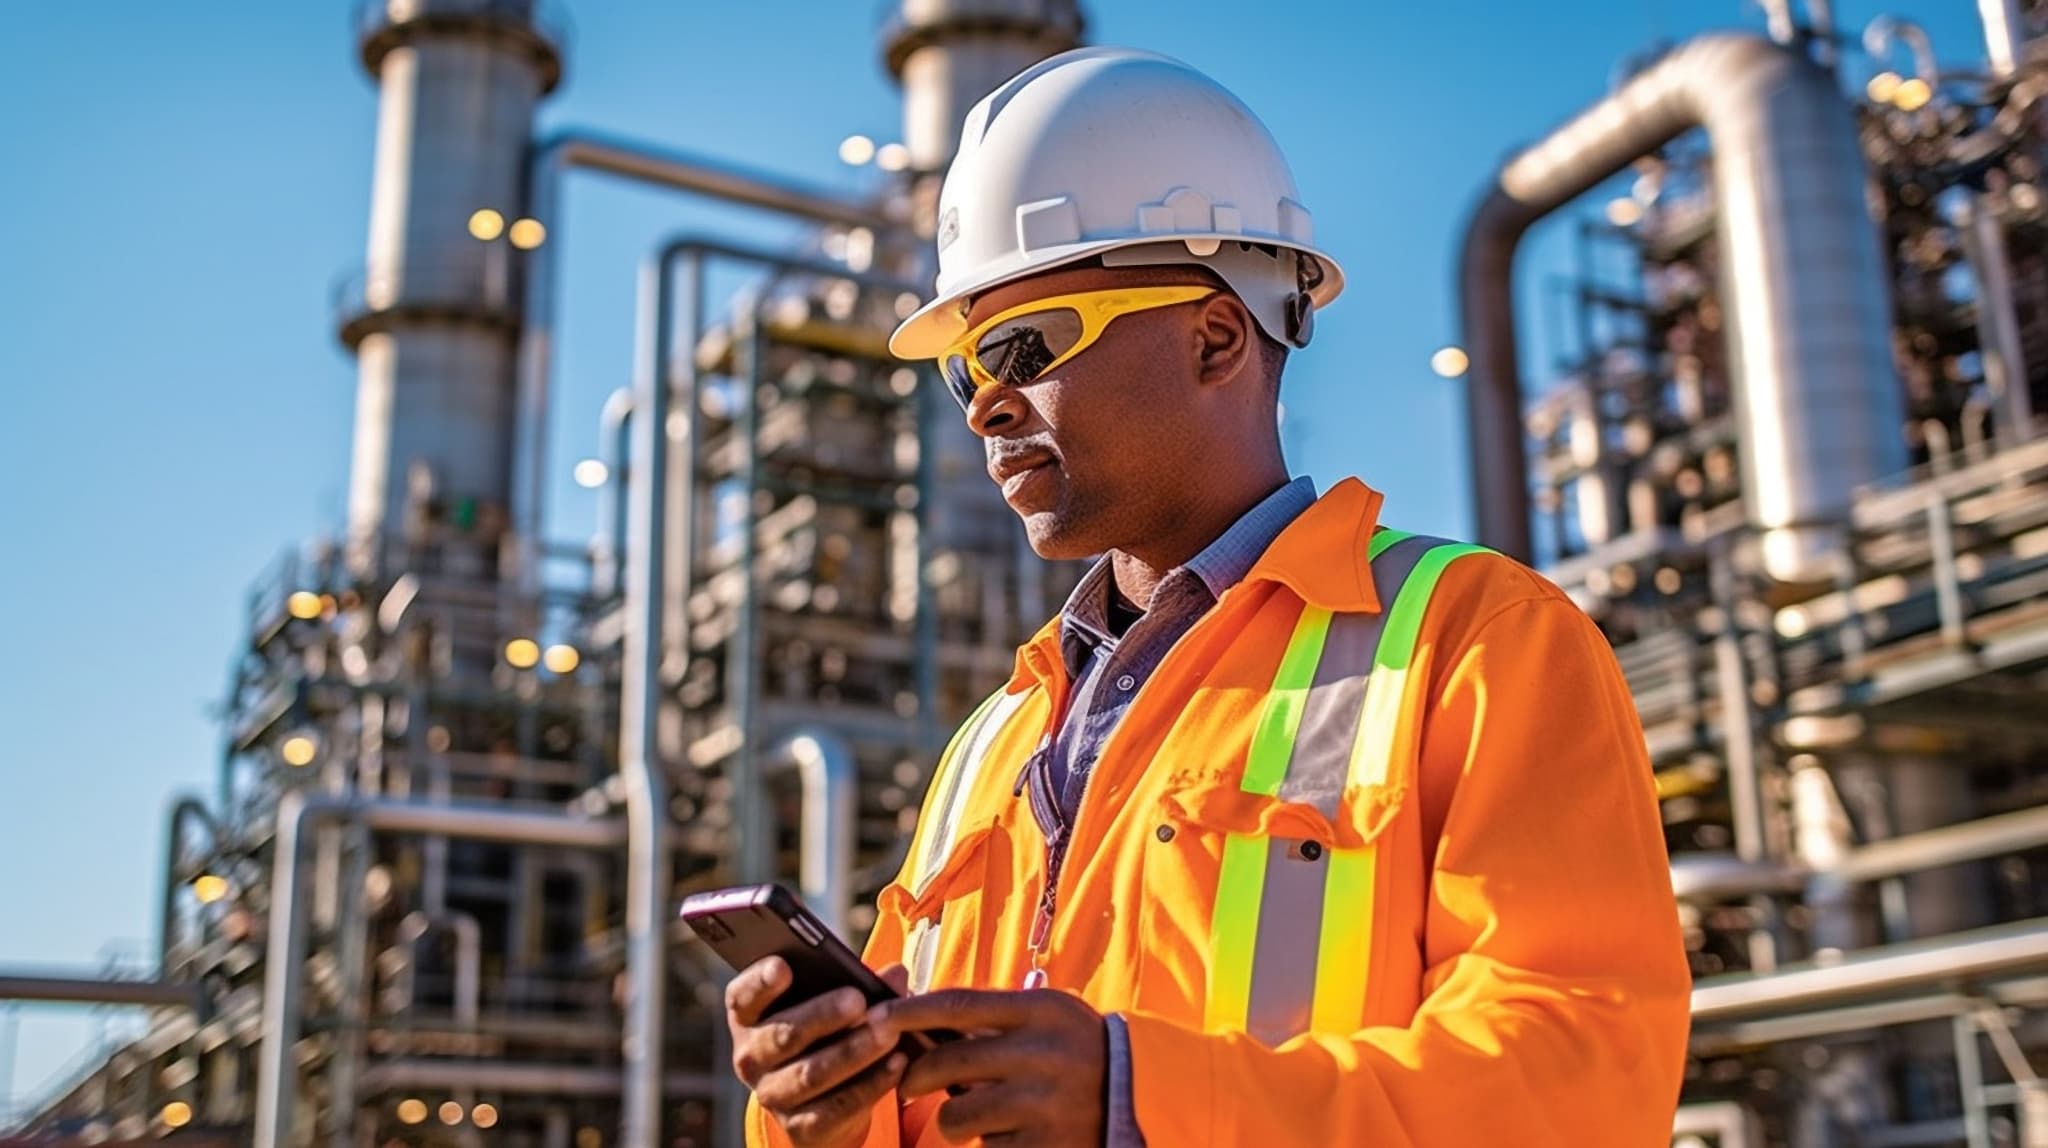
[962,872]
[1365,813]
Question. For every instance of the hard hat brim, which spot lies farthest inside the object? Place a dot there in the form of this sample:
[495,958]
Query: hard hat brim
[932,328]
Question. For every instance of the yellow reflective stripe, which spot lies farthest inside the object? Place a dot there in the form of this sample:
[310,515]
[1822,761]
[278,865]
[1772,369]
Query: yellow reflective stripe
[1372,751]
[1383,538]
[943,794]
[1344,948]
[1234,932]
[1265,766]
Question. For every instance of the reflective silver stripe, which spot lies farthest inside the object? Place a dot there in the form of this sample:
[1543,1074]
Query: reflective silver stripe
[973,755]
[1321,760]
[1284,961]
[1291,901]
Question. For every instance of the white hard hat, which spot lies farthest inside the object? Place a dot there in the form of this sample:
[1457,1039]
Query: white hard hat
[1132,157]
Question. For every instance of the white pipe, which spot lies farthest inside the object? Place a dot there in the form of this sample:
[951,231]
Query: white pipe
[1881,33]
[298,814]
[646,785]
[2005,35]
[830,778]
[1892,969]
[1730,1124]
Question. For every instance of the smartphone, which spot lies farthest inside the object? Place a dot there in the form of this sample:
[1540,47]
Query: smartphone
[748,923]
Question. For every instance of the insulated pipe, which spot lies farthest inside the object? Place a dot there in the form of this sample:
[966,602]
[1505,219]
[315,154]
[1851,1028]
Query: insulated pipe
[547,169]
[646,783]
[85,990]
[1892,969]
[1804,286]
[1705,876]
[831,781]
[655,344]
[1998,325]
[1880,34]
[298,814]
[184,809]
[527,1079]
[2005,36]
[614,435]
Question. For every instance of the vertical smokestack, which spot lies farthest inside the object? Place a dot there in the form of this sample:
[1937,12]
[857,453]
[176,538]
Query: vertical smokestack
[432,317]
[947,54]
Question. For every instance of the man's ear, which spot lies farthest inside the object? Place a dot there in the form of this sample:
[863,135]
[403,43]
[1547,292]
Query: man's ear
[1226,340]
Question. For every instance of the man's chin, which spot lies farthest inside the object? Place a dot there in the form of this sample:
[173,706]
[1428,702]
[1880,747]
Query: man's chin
[1054,538]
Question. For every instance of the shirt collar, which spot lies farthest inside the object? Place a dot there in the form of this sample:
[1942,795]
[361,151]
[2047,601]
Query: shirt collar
[1084,621]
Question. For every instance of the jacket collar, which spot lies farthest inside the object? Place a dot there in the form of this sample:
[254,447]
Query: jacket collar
[1320,556]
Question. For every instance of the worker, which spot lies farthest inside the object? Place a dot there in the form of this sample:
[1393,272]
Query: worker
[1291,828]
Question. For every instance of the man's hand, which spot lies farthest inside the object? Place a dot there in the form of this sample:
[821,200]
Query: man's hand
[823,1099]
[1033,1073]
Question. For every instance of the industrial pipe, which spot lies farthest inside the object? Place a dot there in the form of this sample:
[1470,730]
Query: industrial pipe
[86,990]
[614,434]
[1707,876]
[1998,324]
[1803,284]
[646,783]
[526,1079]
[298,814]
[646,578]
[830,778]
[185,808]
[2005,36]
[1995,951]
[547,169]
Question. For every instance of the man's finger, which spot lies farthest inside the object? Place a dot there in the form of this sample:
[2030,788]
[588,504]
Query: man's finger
[806,1078]
[821,1118]
[958,1009]
[977,1061]
[783,1036]
[897,977]
[993,1109]
[750,993]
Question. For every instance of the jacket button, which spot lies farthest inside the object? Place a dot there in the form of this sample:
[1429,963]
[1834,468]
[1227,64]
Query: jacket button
[1310,851]
[1165,833]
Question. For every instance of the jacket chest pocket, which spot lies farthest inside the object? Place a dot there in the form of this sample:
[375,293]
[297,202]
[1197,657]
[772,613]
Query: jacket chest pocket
[1259,914]
[947,940]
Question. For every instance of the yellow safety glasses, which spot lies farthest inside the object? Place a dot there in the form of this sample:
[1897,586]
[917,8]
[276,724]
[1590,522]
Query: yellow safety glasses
[1029,340]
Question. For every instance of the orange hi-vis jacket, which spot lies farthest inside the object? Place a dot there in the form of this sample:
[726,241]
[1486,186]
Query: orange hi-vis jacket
[1373,858]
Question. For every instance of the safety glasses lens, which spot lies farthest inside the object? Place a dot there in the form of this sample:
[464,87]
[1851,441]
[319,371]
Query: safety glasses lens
[959,379]
[1016,352]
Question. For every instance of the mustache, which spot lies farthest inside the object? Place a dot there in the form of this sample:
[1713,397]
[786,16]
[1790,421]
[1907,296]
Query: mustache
[1010,452]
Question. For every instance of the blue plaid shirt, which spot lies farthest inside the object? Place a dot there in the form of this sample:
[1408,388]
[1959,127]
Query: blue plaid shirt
[1108,670]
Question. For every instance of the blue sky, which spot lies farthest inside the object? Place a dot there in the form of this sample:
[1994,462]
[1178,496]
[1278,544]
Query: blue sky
[186,181]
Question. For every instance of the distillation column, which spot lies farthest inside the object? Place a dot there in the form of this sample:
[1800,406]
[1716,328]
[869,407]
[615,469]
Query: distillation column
[433,317]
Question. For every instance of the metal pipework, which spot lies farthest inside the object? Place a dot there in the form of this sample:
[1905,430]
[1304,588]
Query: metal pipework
[526,1079]
[2005,36]
[649,567]
[614,436]
[825,767]
[1880,34]
[298,814]
[86,990]
[185,808]
[1707,876]
[547,170]
[1803,283]
[1891,969]
[1998,325]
